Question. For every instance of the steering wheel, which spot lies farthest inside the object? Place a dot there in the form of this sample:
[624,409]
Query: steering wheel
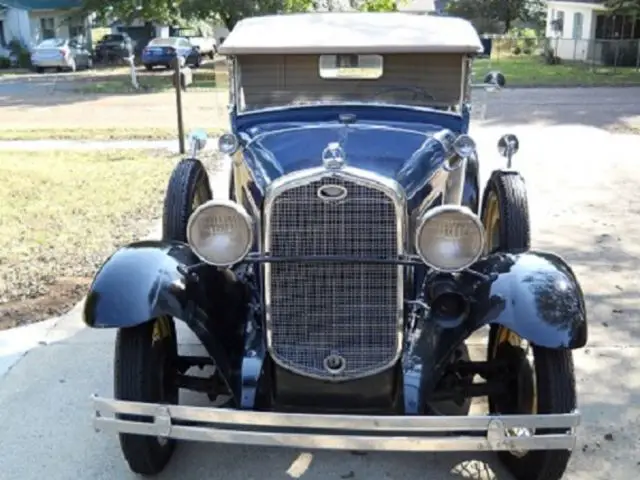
[419,93]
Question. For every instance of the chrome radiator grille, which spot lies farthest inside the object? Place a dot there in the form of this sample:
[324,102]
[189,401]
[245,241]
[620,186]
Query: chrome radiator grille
[343,309]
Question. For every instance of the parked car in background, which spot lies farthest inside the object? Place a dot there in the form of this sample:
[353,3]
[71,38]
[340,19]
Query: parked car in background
[205,43]
[114,47]
[61,54]
[162,51]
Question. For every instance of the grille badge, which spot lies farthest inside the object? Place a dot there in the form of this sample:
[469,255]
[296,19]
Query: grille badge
[334,364]
[333,156]
[332,193]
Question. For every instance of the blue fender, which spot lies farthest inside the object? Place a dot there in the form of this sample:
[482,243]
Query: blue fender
[134,285]
[534,294]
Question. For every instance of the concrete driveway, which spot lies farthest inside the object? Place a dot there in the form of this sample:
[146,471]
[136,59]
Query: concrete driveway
[583,185]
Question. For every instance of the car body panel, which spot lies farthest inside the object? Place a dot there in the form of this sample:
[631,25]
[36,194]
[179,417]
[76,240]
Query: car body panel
[534,294]
[63,55]
[163,51]
[394,142]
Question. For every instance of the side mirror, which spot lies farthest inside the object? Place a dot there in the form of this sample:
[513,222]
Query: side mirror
[508,146]
[495,78]
[197,140]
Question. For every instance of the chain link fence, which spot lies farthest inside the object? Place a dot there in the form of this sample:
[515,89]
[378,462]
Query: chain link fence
[591,53]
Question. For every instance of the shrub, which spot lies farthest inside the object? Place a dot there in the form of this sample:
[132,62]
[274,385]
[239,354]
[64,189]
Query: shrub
[517,51]
[5,62]
[21,53]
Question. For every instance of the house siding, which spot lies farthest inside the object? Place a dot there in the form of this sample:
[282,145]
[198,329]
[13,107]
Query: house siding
[16,26]
[24,26]
[566,45]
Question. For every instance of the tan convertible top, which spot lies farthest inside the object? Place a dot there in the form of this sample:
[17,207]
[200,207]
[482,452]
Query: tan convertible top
[352,32]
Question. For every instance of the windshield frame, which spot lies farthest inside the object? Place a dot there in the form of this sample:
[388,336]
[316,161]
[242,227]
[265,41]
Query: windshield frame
[235,95]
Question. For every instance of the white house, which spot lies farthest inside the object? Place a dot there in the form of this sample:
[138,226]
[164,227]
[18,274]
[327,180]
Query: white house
[585,29]
[30,21]
[421,6]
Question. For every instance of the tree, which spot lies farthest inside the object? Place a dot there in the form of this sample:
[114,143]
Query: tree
[374,5]
[504,11]
[624,7]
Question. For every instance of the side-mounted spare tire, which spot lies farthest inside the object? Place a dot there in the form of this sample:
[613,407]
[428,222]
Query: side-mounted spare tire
[505,213]
[188,188]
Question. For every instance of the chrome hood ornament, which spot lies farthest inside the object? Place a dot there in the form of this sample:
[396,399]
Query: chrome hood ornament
[333,156]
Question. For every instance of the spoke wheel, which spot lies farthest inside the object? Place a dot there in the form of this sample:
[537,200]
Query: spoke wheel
[145,370]
[538,381]
[188,189]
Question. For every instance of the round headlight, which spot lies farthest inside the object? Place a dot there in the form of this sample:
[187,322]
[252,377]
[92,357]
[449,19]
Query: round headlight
[228,143]
[220,232]
[449,238]
[464,146]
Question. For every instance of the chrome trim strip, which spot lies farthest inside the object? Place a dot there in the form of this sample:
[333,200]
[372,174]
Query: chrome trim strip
[362,177]
[463,81]
[389,433]
[454,188]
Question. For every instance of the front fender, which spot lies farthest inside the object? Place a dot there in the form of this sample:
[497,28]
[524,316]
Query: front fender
[135,285]
[534,294]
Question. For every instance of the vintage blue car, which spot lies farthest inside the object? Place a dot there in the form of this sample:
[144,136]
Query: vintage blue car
[335,288]
[161,52]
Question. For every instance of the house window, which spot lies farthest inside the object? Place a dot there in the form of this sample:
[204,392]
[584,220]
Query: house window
[48,28]
[557,23]
[76,28]
[577,25]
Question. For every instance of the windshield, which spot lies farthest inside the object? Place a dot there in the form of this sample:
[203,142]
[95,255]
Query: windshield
[419,80]
[164,42]
[52,43]
[112,38]
[189,33]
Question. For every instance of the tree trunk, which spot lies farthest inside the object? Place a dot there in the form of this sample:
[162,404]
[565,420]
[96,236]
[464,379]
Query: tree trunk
[229,20]
[507,25]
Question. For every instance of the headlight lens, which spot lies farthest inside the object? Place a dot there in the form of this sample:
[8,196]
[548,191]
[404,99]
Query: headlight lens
[220,232]
[449,238]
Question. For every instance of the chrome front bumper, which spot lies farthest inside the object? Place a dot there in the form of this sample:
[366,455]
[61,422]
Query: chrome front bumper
[337,432]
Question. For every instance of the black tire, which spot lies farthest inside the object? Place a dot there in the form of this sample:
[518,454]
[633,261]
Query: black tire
[188,188]
[556,393]
[513,234]
[148,68]
[39,69]
[143,372]
[212,54]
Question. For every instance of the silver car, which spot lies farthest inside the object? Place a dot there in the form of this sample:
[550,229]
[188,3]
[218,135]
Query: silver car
[61,54]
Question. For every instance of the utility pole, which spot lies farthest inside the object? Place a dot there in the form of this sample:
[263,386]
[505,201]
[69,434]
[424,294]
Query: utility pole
[177,82]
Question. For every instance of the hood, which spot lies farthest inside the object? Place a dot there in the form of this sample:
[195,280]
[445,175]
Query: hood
[407,153]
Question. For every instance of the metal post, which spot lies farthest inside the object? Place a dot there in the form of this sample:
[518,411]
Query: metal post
[178,86]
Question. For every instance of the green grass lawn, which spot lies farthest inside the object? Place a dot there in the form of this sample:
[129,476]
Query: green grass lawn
[531,70]
[95,134]
[157,81]
[62,213]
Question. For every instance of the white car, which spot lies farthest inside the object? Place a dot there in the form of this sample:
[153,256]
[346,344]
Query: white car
[61,54]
